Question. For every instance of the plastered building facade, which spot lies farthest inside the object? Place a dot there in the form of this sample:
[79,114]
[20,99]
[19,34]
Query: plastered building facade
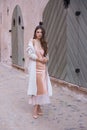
[65,22]
[18,20]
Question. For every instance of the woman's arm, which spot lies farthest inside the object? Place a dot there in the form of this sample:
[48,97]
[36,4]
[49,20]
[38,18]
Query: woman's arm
[31,54]
[30,50]
[46,59]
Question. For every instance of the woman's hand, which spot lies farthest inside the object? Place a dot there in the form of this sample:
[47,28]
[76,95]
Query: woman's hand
[39,60]
[42,60]
[45,60]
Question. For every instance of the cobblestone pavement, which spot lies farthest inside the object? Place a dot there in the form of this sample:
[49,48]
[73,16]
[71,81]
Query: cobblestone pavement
[67,111]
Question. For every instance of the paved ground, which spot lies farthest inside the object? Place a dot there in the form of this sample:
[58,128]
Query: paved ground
[67,111]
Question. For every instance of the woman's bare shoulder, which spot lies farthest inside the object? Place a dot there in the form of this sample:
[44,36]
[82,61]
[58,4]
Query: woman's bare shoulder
[33,40]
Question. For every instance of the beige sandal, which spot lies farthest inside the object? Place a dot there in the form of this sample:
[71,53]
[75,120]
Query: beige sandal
[35,114]
[39,110]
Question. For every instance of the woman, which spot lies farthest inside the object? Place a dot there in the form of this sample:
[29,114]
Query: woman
[39,87]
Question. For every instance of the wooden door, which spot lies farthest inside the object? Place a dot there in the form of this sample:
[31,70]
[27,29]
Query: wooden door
[17,38]
[77,42]
[54,21]
[66,33]
[83,43]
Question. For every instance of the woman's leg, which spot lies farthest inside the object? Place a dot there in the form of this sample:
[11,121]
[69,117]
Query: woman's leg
[39,110]
[35,111]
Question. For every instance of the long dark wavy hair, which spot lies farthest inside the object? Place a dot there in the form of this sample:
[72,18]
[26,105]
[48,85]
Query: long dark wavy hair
[42,40]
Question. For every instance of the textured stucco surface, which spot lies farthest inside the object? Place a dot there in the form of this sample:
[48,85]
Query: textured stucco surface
[32,12]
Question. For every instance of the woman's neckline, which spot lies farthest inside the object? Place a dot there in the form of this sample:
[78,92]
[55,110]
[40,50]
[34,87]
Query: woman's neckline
[37,40]
[38,46]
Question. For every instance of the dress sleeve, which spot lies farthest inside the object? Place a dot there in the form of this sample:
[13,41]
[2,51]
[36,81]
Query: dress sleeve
[31,52]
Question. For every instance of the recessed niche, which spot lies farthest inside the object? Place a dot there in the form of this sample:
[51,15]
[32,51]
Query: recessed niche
[19,20]
[13,22]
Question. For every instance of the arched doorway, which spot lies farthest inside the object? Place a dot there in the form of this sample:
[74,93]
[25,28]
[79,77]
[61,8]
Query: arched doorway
[67,40]
[17,38]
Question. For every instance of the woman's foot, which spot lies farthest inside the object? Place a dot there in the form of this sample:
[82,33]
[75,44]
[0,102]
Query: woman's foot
[39,111]
[35,113]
